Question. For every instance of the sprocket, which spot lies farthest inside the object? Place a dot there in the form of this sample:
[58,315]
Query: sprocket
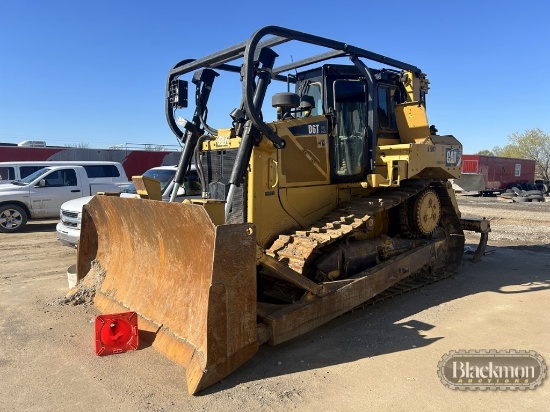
[420,216]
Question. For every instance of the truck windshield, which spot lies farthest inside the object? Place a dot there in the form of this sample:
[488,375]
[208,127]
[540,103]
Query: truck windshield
[165,177]
[32,177]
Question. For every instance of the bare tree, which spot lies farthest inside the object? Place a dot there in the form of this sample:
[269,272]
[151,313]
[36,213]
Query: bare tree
[154,147]
[78,145]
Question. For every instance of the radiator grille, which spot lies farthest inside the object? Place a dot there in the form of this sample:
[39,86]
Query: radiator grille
[217,167]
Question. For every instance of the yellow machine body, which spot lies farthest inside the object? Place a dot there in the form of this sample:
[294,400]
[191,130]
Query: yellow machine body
[302,218]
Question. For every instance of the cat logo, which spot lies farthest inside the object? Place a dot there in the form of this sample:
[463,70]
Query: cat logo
[222,141]
[453,157]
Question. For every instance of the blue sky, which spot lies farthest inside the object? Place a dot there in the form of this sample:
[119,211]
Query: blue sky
[95,72]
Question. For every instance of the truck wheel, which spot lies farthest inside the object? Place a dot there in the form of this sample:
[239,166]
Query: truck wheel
[12,218]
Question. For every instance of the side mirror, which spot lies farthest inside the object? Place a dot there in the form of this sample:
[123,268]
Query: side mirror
[42,183]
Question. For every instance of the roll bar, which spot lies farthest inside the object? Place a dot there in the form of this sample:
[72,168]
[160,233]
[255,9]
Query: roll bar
[250,51]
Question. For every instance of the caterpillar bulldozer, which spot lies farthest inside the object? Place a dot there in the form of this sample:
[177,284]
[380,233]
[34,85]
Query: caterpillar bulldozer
[343,197]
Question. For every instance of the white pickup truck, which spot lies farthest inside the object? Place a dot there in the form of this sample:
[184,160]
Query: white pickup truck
[41,194]
[68,229]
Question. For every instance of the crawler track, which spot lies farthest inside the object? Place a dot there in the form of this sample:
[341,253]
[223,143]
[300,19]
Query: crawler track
[297,248]
[408,285]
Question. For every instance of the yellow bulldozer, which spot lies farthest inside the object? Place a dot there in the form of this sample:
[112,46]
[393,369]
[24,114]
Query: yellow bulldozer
[342,197]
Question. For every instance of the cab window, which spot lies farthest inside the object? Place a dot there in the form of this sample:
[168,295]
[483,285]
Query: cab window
[351,113]
[7,173]
[387,98]
[314,90]
[95,171]
[63,177]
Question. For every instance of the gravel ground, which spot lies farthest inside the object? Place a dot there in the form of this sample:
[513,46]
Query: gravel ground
[512,224]
[383,357]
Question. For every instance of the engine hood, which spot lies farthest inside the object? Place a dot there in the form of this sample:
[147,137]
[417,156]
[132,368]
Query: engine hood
[10,189]
[76,205]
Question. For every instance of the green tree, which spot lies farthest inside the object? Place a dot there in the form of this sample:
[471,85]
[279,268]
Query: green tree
[531,144]
[534,144]
[509,150]
[485,152]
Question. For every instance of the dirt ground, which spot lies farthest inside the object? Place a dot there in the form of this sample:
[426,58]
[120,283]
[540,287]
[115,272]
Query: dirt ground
[382,357]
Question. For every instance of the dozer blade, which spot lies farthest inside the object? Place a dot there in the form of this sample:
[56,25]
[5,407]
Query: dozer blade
[193,283]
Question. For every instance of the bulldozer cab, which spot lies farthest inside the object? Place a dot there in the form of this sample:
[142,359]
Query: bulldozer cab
[357,102]
[359,114]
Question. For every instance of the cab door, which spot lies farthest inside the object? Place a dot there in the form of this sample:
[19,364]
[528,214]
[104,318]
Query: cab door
[349,148]
[54,189]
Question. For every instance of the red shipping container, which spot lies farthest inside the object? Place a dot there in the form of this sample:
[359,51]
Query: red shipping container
[500,173]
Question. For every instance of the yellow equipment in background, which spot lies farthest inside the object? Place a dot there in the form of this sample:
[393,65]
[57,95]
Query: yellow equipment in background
[343,196]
